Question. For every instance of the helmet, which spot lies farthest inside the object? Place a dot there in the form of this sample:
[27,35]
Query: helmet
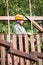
[19,17]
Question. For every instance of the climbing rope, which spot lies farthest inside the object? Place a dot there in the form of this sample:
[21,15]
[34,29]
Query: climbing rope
[31,15]
[8,19]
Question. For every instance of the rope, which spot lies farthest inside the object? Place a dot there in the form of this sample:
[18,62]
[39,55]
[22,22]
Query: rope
[8,19]
[31,15]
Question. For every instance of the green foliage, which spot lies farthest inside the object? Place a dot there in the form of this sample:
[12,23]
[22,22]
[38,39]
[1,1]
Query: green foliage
[3,27]
[37,7]
[18,7]
[41,42]
[3,9]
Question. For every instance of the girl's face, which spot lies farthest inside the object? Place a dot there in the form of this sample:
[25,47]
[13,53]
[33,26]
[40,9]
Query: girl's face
[21,22]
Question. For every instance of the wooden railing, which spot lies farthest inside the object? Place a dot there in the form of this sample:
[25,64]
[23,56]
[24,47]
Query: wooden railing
[20,49]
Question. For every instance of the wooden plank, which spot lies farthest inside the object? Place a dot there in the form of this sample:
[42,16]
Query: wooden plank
[13,17]
[35,24]
[5,43]
[21,48]
[22,54]
[26,47]
[9,56]
[15,47]
[32,44]
[38,47]
[35,17]
[2,53]
[38,54]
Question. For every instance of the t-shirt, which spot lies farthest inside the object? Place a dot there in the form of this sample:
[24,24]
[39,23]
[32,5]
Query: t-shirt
[19,29]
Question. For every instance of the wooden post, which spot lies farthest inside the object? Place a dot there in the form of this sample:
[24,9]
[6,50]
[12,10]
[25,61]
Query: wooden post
[15,47]
[21,48]
[2,53]
[26,47]
[9,56]
[38,47]
[32,44]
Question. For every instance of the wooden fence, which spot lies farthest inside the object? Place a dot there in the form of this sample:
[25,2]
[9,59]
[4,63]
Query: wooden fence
[21,49]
